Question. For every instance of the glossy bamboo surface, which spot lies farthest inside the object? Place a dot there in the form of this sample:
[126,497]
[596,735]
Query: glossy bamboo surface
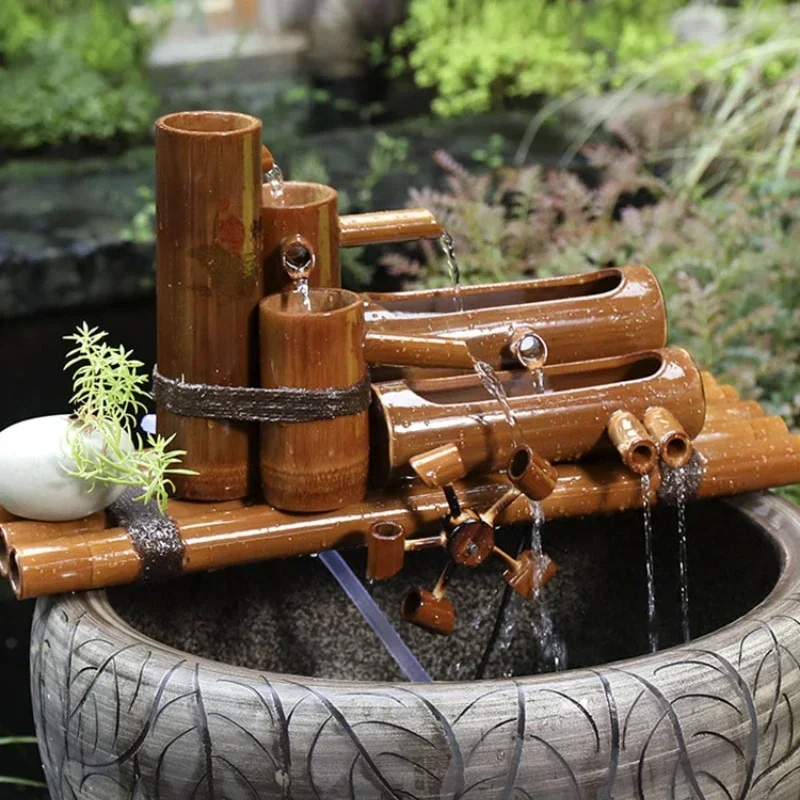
[580,317]
[636,449]
[731,465]
[562,424]
[238,536]
[417,351]
[208,252]
[382,227]
[324,464]
[674,444]
[308,210]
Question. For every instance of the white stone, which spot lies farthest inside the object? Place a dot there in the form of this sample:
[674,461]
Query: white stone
[33,480]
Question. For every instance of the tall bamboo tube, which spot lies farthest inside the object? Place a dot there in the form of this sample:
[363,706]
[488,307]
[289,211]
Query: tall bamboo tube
[208,251]
[323,464]
[562,424]
[579,317]
[309,210]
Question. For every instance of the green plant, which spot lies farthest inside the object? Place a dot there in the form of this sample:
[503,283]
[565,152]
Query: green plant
[476,53]
[5,779]
[108,391]
[73,71]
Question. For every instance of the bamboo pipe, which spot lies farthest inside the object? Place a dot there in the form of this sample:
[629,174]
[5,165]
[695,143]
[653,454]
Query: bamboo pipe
[759,428]
[239,536]
[563,424]
[383,227]
[208,284]
[258,532]
[634,445]
[417,351]
[322,464]
[535,477]
[16,532]
[717,413]
[579,317]
[674,444]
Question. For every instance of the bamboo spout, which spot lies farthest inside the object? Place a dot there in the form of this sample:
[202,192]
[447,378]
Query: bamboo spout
[674,444]
[382,227]
[416,351]
[634,445]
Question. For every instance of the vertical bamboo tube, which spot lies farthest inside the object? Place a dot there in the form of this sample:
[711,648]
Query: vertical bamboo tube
[309,210]
[208,197]
[320,465]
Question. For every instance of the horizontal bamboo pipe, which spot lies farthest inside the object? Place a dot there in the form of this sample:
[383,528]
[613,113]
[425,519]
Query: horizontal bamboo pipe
[382,227]
[579,317]
[16,532]
[239,536]
[416,351]
[730,466]
[759,428]
[563,424]
[719,412]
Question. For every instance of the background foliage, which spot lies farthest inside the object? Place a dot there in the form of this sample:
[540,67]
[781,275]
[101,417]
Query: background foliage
[72,71]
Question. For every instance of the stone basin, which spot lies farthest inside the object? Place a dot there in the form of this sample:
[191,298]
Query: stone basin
[263,681]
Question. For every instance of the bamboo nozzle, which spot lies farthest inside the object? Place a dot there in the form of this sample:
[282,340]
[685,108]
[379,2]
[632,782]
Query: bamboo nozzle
[385,550]
[382,227]
[399,350]
[674,444]
[533,475]
[440,466]
[637,450]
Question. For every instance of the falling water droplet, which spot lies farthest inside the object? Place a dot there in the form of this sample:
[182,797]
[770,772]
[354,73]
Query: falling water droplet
[683,551]
[277,186]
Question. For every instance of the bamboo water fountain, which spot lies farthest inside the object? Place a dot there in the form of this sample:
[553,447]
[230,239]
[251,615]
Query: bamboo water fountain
[317,419]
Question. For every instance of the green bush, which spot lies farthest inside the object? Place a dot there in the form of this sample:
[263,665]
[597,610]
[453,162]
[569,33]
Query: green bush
[72,71]
[477,52]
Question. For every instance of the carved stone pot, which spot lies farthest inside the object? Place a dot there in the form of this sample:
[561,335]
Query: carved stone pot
[133,697]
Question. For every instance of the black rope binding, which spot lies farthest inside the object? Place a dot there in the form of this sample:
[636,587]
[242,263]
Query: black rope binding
[253,404]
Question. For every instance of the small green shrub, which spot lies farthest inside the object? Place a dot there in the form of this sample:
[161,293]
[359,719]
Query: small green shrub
[72,71]
[478,52]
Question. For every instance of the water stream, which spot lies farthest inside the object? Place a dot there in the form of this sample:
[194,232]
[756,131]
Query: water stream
[277,186]
[652,629]
[683,554]
[448,247]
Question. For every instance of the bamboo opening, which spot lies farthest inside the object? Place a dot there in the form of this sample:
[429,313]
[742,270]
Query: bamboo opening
[643,457]
[298,194]
[561,289]
[322,302]
[208,122]
[4,554]
[411,603]
[14,575]
[519,463]
[677,449]
[449,391]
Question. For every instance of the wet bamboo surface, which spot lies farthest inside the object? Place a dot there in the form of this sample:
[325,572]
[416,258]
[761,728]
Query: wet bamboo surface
[580,317]
[383,227]
[739,453]
[208,252]
[563,423]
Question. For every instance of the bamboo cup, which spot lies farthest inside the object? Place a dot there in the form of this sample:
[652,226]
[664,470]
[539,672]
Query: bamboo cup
[309,210]
[208,252]
[563,424]
[319,465]
[579,317]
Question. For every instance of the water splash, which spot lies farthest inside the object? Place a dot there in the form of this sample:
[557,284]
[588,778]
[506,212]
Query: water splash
[277,185]
[448,247]
[301,288]
[652,629]
[683,551]
[494,386]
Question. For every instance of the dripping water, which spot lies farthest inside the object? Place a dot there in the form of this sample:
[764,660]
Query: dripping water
[538,380]
[301,288]
[652,630]
[494,386]
[683,551]
[277,186]
[448,247]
